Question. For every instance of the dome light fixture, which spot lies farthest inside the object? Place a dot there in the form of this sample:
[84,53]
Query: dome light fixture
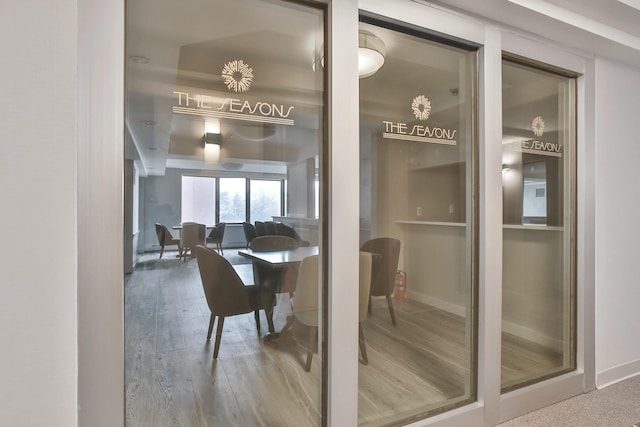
[139,59]
[371,51]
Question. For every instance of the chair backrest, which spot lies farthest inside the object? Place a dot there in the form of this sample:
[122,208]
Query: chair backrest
[365,284]
[305,300]
[283,278]
[160,233]
[223,288]
[270,228]
[285,230]
[193,234]
[386,252]
[260,230]
[249,231]
[217,233]
[273,243]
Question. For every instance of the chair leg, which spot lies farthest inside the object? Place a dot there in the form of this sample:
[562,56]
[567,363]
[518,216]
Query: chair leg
[313,337]
[216,347]
[391,311]
[256,315]
[161,251]
[269,313]
[289,324]
[363,348]
[369,306]
[220,246]
[211,320]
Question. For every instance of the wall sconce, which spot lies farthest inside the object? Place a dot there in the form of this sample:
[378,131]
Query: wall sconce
[505,168]
[371,51]
[212,143]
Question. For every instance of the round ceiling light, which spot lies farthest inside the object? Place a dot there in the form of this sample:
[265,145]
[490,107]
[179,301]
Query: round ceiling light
[232,166]
[371,52]
[138,59]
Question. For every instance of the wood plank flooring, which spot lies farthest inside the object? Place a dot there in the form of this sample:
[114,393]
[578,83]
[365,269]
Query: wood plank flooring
[172,379]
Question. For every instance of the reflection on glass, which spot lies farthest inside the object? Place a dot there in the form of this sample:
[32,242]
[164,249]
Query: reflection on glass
[236,76]
[534,194]
[417,220]
[538,339]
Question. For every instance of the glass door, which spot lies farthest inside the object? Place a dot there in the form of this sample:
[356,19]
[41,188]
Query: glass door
[538,175]
[418,221]
[223,105]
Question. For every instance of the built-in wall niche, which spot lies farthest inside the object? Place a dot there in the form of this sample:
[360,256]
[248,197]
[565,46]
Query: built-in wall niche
[437,193]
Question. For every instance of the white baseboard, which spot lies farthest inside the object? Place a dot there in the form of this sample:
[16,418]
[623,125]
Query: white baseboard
[447,306]
[533,336]
[508,327]
[617,373]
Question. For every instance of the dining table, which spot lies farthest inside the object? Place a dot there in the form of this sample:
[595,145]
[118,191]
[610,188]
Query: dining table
[278,260]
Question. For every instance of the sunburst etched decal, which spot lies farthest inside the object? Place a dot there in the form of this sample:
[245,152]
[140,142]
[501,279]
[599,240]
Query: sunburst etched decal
[538,126]
[237,75]
[421,107]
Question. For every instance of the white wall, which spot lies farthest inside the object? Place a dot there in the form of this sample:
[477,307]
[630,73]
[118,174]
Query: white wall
[617,222]
[38,284]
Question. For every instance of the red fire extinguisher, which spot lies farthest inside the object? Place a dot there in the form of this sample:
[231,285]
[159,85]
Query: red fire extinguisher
[401,285]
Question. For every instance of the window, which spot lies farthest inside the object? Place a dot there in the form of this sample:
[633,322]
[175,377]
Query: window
[266,200]
[198,199]
[233,199]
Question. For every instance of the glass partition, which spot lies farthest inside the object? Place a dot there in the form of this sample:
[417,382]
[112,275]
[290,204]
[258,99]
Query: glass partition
[223,106]
[538,303]
[417,220]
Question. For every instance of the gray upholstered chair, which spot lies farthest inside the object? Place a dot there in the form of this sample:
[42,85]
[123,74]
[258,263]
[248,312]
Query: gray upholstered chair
[249,232]
[385,266]
[225,292]
[274,280]
[270,228]
[285,230]
[217,235]
[260,229]
[166,238]
[273,243]
[305,303]
[192,234]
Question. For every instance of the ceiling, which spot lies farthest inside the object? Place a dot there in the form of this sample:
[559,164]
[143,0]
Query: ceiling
[607,28]
[182,46]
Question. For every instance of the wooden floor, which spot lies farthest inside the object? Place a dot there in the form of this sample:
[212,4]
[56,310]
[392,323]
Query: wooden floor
[172,379]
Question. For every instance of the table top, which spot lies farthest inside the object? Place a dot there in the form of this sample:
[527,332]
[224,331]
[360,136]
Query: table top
[179,226]
[280,257]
